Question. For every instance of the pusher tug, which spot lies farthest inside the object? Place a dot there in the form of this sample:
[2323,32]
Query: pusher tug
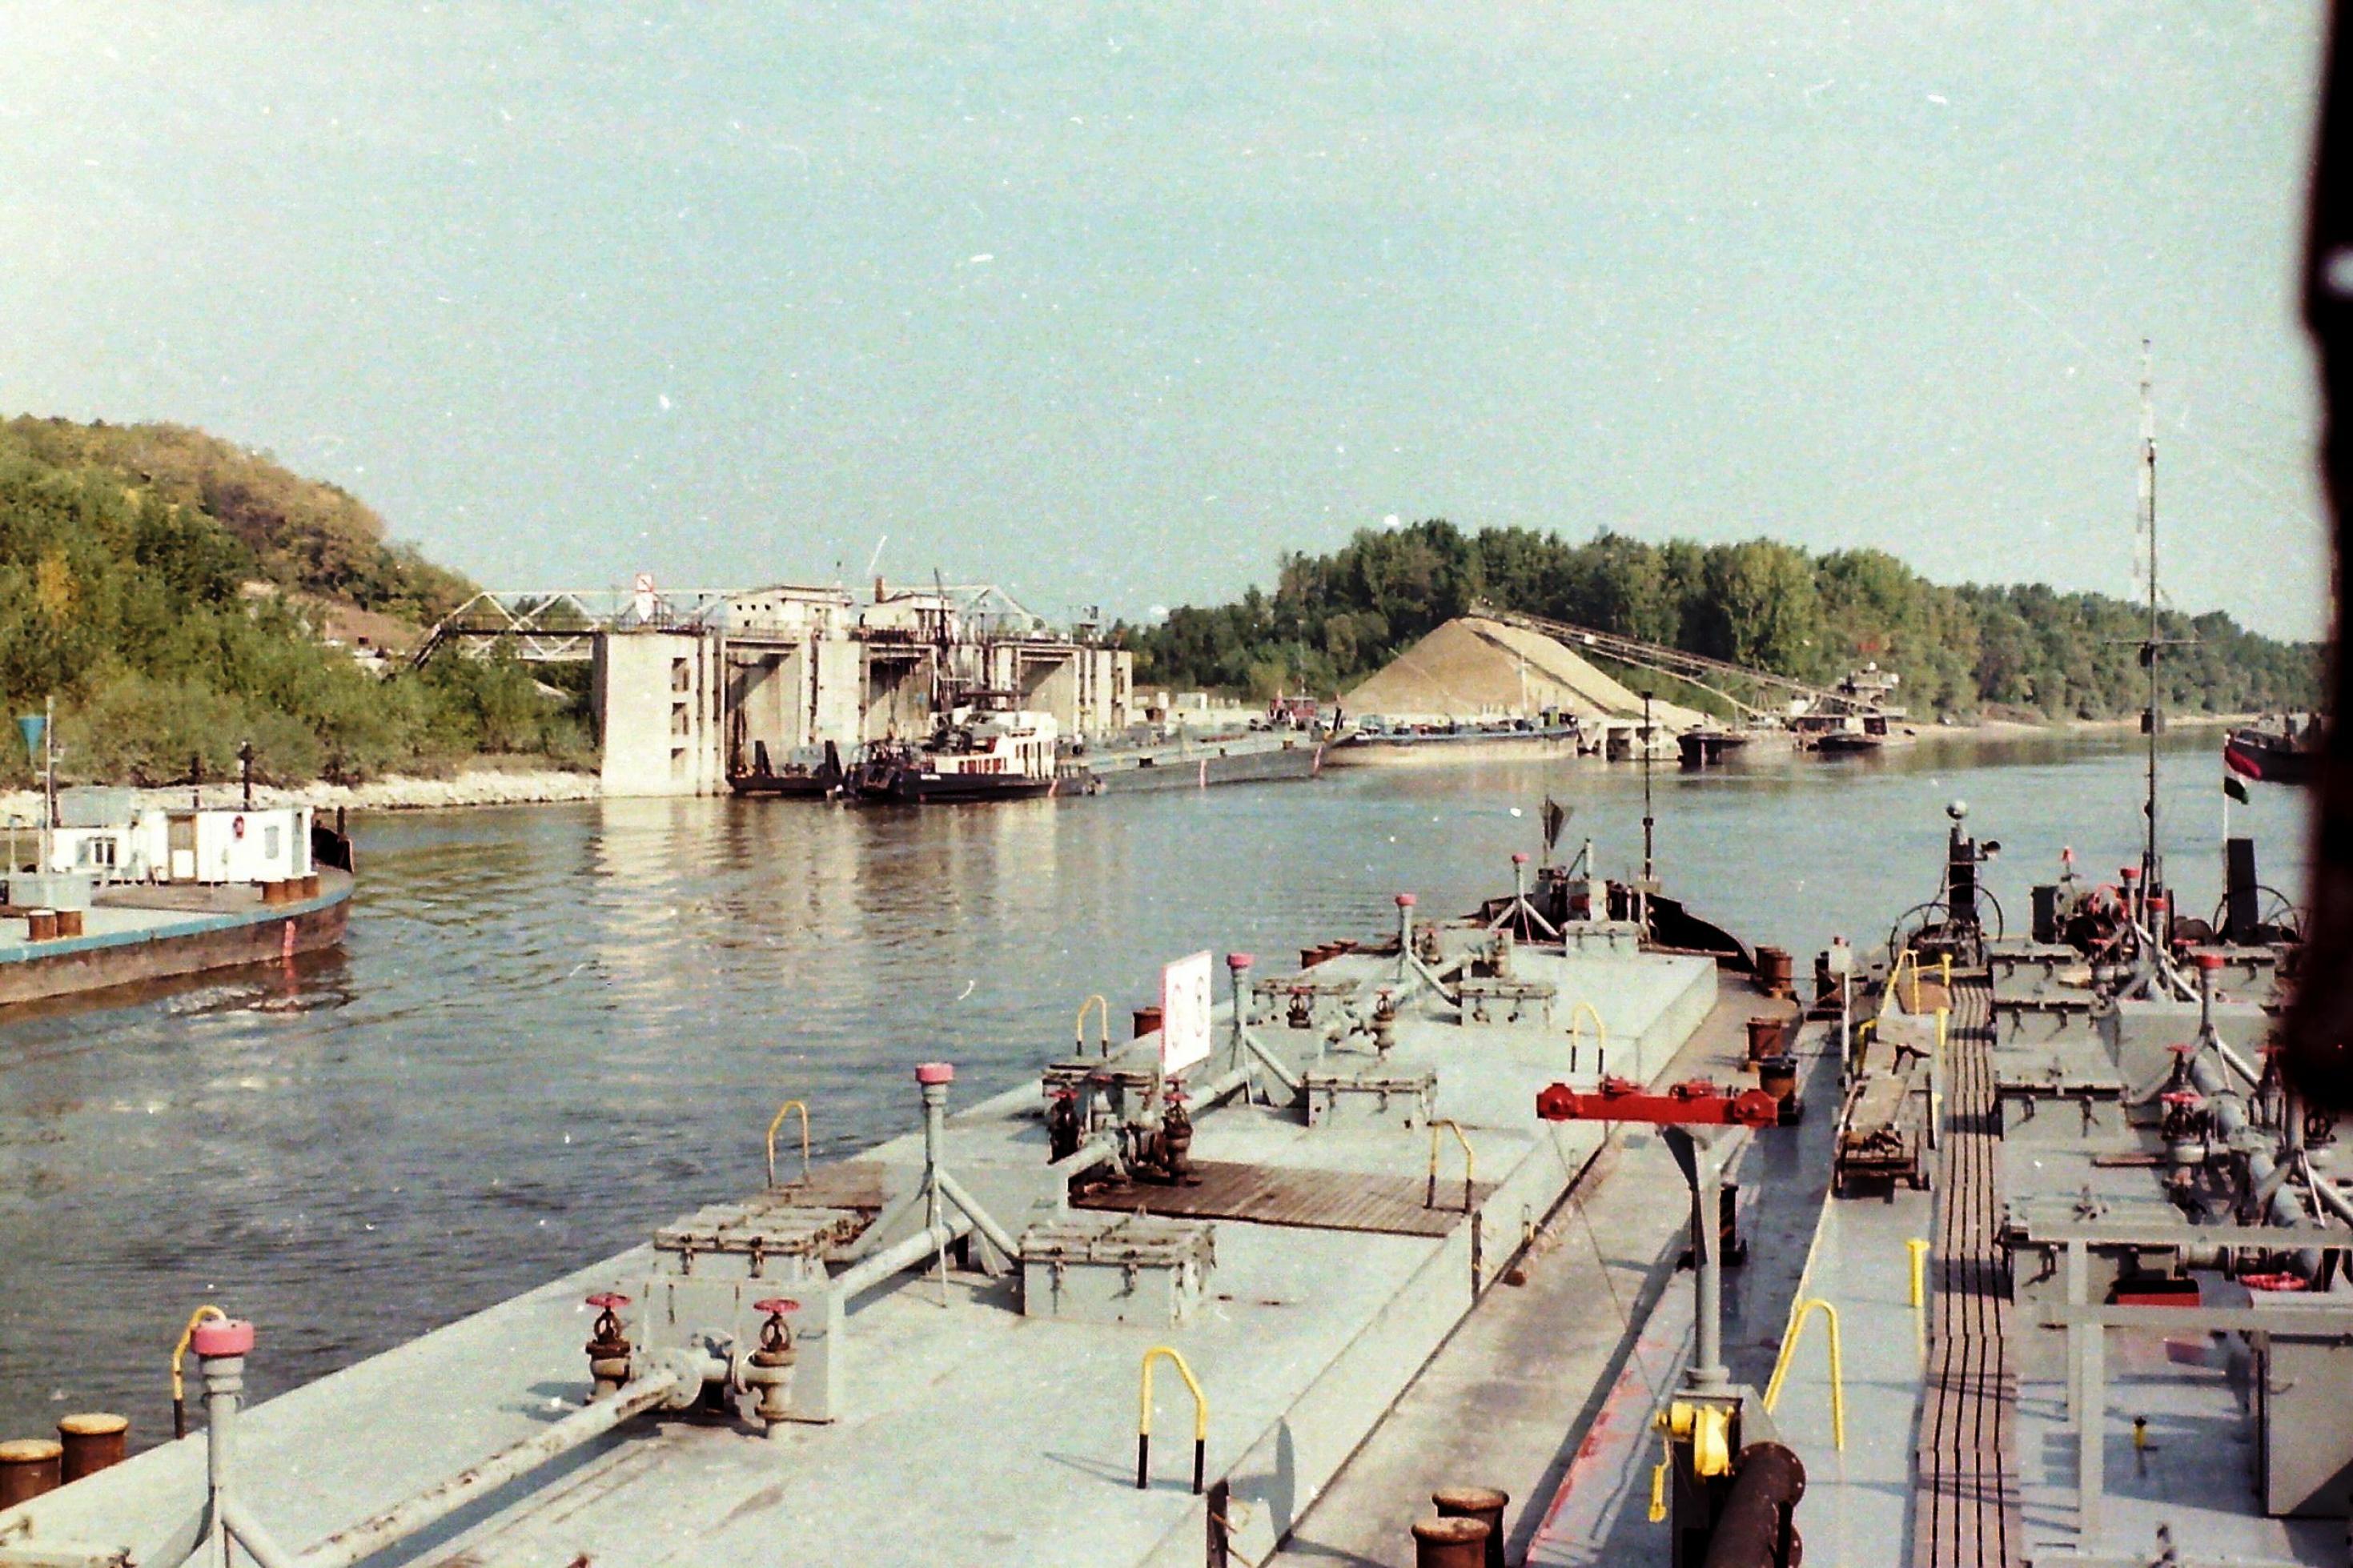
[1281,1206]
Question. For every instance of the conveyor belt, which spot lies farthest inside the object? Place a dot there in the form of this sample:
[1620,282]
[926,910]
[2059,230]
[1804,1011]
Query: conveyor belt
[1965,1495]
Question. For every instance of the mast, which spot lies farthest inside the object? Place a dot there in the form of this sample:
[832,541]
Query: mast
[2151,867]
[1648,820]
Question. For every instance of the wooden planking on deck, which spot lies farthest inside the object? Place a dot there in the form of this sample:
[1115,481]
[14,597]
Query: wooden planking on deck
[1968,1514]
[1290,1196]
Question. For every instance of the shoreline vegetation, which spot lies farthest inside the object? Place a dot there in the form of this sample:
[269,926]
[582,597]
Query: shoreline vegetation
[179,597]
[1965,653]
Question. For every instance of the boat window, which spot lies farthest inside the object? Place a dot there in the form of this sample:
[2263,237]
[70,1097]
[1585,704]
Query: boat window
[270,843]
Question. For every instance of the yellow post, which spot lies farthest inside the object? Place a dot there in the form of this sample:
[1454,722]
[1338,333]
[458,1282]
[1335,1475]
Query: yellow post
[1143,1418]
[1797,1317]
[1079,1027]
[1469,1163]
[783,1110]
[1918,1248]
[1945,971]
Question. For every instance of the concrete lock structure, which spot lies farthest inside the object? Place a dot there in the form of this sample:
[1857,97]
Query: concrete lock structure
[681,702]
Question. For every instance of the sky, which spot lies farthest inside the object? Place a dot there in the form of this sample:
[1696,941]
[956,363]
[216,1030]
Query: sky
[1111,304]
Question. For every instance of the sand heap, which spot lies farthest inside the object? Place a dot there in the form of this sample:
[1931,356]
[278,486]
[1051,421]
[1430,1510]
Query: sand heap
[1474,668]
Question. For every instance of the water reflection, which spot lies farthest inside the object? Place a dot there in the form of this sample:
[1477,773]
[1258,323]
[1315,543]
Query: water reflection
[556,1026]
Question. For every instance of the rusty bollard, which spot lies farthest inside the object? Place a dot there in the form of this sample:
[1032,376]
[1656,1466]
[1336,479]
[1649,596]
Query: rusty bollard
[1482,1503]
[28,1466]
[1772,971]
[1765,1038]
[91,1442]
[1450,1543]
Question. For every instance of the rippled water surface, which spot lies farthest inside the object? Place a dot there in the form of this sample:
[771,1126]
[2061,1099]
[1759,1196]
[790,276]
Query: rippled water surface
[555,1027]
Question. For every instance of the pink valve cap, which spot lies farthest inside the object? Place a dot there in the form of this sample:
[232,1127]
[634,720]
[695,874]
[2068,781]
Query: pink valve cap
[1404,900]
[1519,856]
[935,1072]
[222,1336]
[1241,960]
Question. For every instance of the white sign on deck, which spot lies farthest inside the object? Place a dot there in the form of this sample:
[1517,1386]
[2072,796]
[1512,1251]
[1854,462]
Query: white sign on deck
[1185,1004]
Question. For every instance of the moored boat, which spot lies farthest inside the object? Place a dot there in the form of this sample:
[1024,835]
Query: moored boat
[115,895]
[2275,756]
[989,754]
[810,773]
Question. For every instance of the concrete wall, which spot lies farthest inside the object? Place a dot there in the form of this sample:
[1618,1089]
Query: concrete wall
[658,699]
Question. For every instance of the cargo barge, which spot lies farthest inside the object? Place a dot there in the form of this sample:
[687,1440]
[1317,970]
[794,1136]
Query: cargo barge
[1283,1205]
[1248,758]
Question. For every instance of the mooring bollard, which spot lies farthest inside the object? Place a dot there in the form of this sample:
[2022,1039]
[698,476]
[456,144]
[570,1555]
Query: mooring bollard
[1486,1504]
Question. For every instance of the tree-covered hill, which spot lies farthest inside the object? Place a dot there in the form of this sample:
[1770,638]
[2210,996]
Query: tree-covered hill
[169,590]
[1334,620]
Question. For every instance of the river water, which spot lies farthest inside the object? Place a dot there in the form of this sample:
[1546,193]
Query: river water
[555,1027]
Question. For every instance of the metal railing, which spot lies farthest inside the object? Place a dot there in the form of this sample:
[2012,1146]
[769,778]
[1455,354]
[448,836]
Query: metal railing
[1143,1418]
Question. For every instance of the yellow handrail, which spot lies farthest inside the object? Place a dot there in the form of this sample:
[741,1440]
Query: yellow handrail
[1469,1163]
[179,1355]
[788,1106]
[1896,979]
[1079,1026]
[1143,1418]
[1585,1009]
[1798,1314]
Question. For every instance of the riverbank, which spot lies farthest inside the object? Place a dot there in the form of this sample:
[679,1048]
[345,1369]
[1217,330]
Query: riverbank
[468,787]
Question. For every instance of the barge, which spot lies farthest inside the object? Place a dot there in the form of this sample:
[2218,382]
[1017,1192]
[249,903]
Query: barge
[116,895]
[1254,757]
[1282,1204]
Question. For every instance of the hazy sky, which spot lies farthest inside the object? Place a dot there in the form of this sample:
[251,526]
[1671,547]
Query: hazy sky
[1110,303]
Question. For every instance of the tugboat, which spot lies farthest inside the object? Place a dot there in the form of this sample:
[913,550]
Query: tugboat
[2285,755]
[974,754]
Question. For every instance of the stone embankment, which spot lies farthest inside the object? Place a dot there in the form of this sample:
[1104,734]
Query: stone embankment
[474,786]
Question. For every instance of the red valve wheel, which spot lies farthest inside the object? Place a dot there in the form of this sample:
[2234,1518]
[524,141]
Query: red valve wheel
[776,1304]
[611,1300]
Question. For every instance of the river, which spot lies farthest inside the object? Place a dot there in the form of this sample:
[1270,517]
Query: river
[556,1026]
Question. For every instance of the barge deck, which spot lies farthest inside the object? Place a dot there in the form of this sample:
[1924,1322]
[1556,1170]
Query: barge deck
[967,1431]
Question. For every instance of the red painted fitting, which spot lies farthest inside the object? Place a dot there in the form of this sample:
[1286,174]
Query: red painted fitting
[1404,900]
[2129,873]
[1519,856]
[1241,960]
[222,1336]
[935,1072]
[2209,961]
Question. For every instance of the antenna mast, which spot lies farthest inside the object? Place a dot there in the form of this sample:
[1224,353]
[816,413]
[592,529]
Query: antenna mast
[2151,869]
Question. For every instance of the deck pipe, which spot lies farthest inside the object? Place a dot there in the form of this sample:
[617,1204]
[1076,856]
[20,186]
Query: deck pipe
[1237,966]
[665,1386]
[1768,1482]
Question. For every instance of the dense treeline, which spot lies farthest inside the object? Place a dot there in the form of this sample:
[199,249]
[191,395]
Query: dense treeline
[2031,650]
[168,590]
